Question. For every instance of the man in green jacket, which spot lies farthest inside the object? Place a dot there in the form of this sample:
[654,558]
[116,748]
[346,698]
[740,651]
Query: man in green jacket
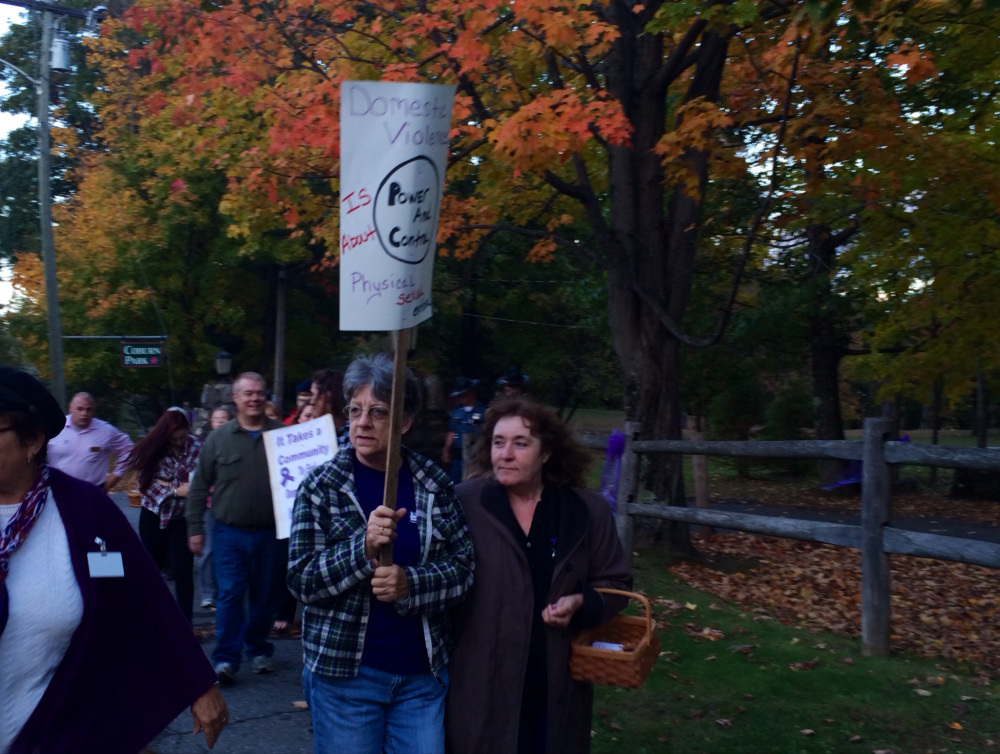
[233,462]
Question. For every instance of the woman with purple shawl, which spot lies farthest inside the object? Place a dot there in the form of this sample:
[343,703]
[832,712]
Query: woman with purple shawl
[95,654]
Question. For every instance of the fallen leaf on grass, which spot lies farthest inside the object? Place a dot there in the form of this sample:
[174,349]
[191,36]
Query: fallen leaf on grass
[743,648]
[807,732]
[914,681]
[690,606]
[854,740]
[804,665]
[922,692]
[935,680]
[847,660]
[955,726]
[724,723]
[969,699]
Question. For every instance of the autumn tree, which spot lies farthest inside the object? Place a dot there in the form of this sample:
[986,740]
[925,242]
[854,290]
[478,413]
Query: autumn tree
[616,115]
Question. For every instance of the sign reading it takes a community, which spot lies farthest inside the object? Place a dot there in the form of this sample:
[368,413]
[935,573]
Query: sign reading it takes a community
[292,452]
[393,155]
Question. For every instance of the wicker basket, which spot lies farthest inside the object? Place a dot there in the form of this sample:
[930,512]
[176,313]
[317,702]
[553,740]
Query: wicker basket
[627,667]
[135,498]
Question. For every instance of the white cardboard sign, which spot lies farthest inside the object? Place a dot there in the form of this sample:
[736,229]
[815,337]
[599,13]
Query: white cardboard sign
[393,155]
[292,452]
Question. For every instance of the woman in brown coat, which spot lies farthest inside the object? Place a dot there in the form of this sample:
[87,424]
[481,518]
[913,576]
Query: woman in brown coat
[542,545]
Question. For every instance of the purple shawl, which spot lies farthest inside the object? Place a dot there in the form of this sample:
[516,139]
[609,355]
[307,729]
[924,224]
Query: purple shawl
[133,664]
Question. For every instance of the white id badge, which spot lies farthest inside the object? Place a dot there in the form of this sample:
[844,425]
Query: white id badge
[104,564]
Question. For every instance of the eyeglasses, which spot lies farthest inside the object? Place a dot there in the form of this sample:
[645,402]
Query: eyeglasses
[375,413]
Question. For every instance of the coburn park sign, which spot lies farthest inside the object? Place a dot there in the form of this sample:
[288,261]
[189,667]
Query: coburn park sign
[142,353]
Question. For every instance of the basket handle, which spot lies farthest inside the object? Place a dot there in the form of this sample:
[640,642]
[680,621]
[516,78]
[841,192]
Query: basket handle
[633,596]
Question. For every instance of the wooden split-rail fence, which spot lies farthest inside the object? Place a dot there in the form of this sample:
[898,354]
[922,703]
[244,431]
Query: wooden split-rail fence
[875,537]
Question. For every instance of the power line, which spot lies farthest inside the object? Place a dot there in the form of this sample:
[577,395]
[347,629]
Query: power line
[520,321]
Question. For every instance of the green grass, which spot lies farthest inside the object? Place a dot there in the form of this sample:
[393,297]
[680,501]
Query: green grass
[697,682]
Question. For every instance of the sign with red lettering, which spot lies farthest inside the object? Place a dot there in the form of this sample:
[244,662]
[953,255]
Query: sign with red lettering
[393,155]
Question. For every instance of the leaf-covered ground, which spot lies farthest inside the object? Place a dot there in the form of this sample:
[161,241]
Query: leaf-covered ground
[939,609]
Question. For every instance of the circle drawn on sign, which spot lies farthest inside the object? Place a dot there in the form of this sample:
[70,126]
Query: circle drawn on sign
[406,210]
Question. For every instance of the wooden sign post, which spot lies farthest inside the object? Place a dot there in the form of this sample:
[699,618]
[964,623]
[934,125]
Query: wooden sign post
[393,157]
[401,345]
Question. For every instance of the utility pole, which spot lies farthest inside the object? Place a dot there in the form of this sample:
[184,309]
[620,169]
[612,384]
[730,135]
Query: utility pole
[44,180]
[279,337]
[45,213]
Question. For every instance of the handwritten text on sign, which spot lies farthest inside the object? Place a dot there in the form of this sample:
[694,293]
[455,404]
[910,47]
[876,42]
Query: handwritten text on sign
[394,150]
[292,452]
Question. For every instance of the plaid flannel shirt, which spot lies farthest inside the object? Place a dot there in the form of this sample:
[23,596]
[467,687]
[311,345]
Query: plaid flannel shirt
[329,573]
[172,472]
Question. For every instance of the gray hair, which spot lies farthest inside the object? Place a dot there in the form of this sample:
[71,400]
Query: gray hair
[250,377]
[375,372]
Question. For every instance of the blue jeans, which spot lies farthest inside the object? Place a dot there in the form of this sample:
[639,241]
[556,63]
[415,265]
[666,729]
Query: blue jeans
[244,562]
[376,712]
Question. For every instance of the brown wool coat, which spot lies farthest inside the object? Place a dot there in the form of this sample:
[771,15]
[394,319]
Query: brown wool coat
[487,668]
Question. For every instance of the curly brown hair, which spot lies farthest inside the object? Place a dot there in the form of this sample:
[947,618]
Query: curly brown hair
[568,461]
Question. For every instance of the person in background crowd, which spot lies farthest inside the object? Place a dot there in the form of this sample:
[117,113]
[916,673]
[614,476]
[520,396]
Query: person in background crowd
[463,424]
[513,381]
[328,398]
[164,461]
[271,411]
[203,571]
[89,663]
[303,396]
[305,413]
[233,460]
[542,545]
[86,445]
[376,638]
[285,604]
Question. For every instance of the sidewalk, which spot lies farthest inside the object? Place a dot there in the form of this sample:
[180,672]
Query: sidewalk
[261,712]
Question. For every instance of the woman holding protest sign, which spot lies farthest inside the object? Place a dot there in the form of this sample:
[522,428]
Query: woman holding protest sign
[542,547]
[376,638]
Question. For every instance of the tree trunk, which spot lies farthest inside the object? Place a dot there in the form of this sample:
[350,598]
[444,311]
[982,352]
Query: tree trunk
[982,410]
[650,249]
[826,348]
[936,420]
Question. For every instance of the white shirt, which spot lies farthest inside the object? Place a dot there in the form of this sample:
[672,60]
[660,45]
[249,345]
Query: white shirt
[46,608]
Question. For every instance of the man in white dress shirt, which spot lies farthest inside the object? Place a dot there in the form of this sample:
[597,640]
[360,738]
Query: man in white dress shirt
[85,446]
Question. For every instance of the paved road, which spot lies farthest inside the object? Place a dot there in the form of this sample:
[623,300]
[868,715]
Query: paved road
[261,712]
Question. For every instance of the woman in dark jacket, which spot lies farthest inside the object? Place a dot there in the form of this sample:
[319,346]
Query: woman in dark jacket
[76,624]
[542,545]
